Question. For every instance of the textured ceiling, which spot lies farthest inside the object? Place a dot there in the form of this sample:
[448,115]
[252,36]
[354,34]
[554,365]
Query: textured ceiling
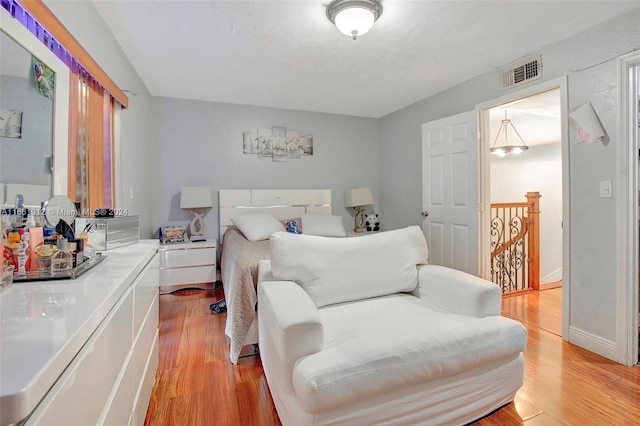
[286,54]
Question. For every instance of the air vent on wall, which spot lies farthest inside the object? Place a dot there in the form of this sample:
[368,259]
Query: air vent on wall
[523,72]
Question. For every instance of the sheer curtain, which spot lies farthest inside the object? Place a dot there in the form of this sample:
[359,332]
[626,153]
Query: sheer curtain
[91,119]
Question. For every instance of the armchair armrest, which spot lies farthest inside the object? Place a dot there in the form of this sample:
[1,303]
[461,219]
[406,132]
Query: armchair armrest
[457,292]
[289,326]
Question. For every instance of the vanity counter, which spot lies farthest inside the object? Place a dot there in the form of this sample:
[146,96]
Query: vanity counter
[49,328]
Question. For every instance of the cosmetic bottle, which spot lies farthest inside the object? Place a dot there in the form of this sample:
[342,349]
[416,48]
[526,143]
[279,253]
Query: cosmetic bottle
[23,255]
[61,261]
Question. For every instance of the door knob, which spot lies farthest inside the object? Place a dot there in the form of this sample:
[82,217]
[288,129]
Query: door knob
[425,214]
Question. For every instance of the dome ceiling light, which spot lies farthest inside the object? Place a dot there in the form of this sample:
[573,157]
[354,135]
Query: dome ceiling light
[354,18]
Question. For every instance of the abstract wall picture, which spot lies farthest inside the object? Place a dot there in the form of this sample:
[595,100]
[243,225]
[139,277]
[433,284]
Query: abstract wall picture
[277,142]
[10,123]
[265,139]
[44,76]
[250,143]
[294,149]
[306,141]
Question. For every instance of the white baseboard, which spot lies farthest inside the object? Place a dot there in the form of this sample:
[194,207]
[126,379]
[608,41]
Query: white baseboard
[593,343]
[552,277]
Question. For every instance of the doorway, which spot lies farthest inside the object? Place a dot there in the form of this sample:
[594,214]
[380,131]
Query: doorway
[627,312]
[526,208]
[539,114]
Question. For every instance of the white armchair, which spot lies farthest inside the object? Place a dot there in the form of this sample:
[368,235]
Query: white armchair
[428,348]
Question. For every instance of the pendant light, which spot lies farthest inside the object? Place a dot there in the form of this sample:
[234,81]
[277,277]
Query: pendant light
[508,142]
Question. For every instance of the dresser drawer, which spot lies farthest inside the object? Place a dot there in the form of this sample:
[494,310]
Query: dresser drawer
[145,289]
[187,257]
[79,395]
[192,275]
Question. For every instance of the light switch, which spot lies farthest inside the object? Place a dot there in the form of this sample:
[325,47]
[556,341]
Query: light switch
[606,190]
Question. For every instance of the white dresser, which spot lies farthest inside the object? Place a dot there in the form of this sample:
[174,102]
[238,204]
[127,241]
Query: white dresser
[187,265]
[83,351]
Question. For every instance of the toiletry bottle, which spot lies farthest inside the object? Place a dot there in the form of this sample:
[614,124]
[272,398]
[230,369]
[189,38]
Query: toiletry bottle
[35,239]
[23,255]
[61,261]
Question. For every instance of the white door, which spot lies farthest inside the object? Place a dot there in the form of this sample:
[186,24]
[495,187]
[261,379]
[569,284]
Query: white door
[450,191]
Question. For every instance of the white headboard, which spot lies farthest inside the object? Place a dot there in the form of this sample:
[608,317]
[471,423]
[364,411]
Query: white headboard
[282,203]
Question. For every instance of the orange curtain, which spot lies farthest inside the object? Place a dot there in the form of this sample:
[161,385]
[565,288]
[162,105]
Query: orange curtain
[90,144]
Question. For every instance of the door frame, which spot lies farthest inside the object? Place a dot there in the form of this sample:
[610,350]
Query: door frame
[627,207]
[484,193]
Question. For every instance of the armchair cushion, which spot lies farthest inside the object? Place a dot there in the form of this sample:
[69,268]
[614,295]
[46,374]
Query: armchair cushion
[336,270]
[375,345]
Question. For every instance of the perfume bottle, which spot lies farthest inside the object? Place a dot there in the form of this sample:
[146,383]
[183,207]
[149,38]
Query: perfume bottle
[23,255]
[62,260]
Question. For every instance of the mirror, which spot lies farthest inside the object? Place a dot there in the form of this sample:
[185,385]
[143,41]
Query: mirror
[26,124]
[33,174]
[57,208]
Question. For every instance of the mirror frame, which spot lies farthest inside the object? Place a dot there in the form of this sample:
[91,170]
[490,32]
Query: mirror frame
[28,41]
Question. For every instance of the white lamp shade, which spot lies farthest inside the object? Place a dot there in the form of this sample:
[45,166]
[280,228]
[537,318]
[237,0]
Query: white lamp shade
[195,197]
[354,21]
[358,197]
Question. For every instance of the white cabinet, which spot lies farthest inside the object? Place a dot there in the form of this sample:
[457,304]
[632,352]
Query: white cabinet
[187,265]
[93,362]
[104,382]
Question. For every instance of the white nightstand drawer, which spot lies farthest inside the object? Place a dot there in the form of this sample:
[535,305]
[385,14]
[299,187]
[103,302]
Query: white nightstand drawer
[192,275]
[187,257]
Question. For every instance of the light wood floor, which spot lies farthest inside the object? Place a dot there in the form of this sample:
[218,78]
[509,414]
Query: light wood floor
[197,385]
[541,309]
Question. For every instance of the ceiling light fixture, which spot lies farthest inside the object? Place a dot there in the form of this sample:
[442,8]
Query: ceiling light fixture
[354,17]
[503,144]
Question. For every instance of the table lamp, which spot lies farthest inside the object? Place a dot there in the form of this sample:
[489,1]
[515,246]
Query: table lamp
[193,198]
[357,198]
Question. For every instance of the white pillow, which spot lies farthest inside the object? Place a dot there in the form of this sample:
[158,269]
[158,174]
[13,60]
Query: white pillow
[323,225]
[257,226]
[336,270]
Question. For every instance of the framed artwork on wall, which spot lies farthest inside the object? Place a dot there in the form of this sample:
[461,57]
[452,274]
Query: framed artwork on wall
[10,123]
[277,142]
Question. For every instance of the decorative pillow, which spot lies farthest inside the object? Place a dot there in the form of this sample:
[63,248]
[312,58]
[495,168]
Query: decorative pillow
[292,219]
[323,225]
[293,227]
[336,270]
[257,226]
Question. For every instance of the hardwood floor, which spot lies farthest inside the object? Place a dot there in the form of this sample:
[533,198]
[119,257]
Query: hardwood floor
[196,384]
[542,309]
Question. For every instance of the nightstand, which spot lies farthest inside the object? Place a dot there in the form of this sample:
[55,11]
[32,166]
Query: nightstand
[187,265]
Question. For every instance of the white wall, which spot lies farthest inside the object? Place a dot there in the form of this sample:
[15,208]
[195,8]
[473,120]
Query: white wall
[593,219]
[138,147]
[200,143]
[537,169]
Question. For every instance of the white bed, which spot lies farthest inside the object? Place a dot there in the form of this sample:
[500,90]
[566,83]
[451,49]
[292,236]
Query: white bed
[240,257]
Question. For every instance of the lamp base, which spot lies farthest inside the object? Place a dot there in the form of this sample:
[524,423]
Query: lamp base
[360,220]
[196,227]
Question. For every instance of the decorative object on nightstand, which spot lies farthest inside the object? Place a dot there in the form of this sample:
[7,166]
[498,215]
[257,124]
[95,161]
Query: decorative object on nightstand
[193,198]
[358,198]
[373,224]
